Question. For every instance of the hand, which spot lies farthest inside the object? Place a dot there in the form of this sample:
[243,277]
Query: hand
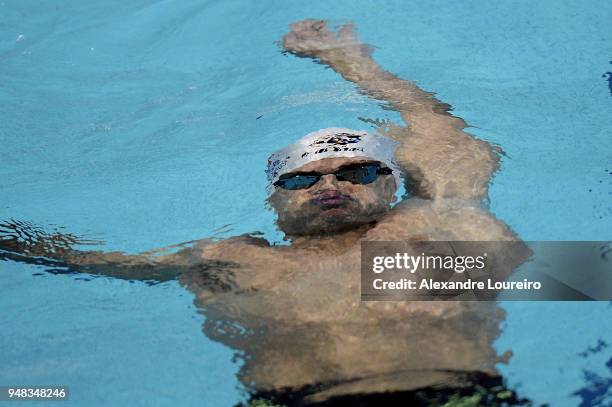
[27,239]
[313,38]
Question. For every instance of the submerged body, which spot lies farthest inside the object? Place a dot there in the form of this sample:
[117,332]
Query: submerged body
[293,313]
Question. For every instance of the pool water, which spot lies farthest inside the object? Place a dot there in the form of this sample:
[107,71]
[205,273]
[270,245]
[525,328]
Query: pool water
[148,123]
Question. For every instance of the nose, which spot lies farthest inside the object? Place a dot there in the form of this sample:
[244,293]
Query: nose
[328,180]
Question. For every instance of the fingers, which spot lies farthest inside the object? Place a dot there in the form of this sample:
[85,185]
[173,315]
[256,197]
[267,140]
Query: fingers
[312,36]
[307,37]
[309,24]
[347,33]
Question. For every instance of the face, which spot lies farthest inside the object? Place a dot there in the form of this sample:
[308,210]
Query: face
[330,205]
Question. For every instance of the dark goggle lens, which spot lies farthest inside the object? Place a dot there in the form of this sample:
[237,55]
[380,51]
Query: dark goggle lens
[359,175]
[297,182]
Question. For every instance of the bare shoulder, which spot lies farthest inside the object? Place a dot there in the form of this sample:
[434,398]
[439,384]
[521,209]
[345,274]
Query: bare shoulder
[242,249]
[441,219]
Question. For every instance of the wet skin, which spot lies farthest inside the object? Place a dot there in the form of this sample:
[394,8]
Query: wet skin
[293,313]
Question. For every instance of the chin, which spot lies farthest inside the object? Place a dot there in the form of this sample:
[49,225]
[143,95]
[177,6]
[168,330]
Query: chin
[338,214]
[321,221]
[334,221]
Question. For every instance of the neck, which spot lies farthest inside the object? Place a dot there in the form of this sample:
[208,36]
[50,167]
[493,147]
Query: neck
[332,241]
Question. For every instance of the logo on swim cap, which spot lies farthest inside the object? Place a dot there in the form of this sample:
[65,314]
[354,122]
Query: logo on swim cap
[330,143]
[335,142]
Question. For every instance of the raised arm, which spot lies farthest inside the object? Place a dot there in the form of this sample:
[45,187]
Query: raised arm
[442,160]
[25,243]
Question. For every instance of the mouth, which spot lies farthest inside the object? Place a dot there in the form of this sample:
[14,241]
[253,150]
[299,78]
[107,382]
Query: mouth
[330,199]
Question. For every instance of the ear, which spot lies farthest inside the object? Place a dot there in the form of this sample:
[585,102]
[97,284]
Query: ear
[390,189]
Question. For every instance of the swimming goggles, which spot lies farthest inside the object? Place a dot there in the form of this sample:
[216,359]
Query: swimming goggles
[354,173]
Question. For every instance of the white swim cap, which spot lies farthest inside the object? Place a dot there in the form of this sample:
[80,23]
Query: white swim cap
[329,143]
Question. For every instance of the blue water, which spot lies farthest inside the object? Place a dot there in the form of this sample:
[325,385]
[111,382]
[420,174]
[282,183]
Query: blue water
[137,122]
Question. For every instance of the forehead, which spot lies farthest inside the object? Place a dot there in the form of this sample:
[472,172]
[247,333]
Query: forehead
[331,164]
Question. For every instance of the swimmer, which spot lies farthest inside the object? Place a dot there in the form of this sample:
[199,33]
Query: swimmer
[294,312]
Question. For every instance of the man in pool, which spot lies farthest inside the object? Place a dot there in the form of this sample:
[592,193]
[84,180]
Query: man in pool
[294,312]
